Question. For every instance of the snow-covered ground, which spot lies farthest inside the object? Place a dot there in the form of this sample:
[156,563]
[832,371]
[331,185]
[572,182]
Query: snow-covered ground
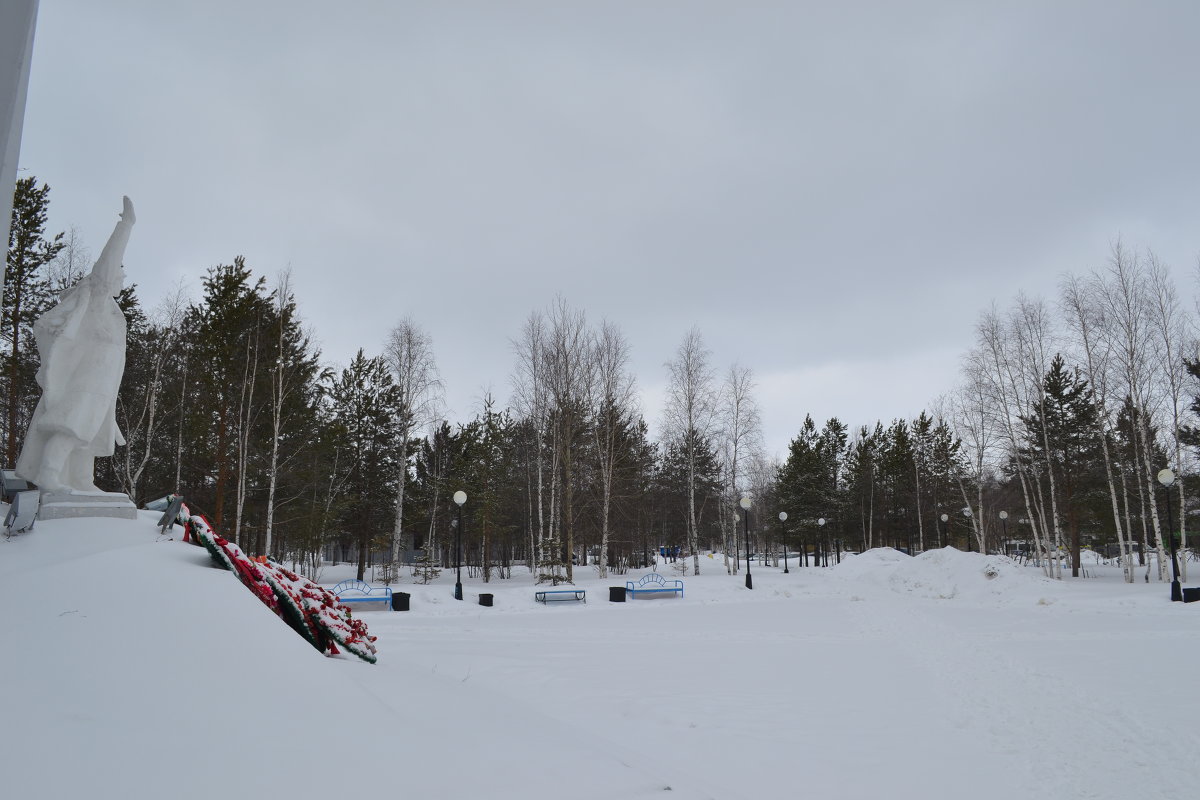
[134,669]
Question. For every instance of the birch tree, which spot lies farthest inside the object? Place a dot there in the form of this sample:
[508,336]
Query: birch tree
[1171,332]
[291,373]
[1004,387]
[612,419]
[409,354]
[742,432]
[247,416]
[1084,317]
[567,369]
[532,401]
[689,417]
[1122,289]
[1031,330]
[141,419]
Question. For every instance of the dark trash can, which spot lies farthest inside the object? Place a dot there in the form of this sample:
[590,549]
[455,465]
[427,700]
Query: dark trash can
[1191,595]
[616,594]
[485,600]
[400,601]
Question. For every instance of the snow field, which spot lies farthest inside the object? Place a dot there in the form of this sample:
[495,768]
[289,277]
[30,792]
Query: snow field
[136,669]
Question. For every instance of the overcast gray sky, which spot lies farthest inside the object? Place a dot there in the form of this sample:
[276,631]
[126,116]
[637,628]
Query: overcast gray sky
[831,192]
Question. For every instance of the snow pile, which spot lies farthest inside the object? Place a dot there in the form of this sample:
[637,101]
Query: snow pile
[948,573]
[945,574]
[869,565]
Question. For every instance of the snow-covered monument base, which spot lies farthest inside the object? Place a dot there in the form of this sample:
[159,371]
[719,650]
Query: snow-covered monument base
[71,503]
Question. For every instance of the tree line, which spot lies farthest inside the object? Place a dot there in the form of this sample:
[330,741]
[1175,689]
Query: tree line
[1064,416]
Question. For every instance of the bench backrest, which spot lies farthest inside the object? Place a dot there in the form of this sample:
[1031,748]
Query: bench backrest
[362,587]
[654,577]
[23,511]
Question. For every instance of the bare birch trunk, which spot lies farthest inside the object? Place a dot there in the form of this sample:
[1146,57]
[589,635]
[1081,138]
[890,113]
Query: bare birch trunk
[245,417]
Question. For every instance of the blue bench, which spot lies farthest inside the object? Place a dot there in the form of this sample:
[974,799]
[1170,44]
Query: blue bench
[355,592]
[653,583]
[560,594]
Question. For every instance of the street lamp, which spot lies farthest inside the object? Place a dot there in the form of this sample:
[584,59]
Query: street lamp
[460,497]
[967,514]
[820,524]
[1004,525]
[945,529]
[783,538]
[1166,477]
[745,504]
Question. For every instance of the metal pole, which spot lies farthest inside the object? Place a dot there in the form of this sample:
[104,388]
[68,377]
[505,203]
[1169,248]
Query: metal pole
[783,538]
[746,527]
[1176,589]
[458,560]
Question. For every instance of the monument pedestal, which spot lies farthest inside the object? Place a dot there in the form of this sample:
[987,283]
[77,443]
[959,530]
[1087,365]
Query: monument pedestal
[72,504]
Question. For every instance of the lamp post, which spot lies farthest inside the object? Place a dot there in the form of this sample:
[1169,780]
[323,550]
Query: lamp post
[1166,477]
[945,529]
[783,538]
[821,525]
[967,514]
[1004,526]
[460,497]
[745,504]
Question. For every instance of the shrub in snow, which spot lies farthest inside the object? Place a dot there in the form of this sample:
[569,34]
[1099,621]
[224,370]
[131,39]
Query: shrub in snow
[426,568]
[310,610]
[550,563]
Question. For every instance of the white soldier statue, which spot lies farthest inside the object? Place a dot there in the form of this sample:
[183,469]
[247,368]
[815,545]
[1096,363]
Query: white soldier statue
[81,342]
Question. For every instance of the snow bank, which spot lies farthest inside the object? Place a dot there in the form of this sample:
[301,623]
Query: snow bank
[135,668]
[949,573]
[946,574]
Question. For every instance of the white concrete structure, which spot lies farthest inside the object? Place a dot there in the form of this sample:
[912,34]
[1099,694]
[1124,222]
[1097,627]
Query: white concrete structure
[81,343]
[17,18]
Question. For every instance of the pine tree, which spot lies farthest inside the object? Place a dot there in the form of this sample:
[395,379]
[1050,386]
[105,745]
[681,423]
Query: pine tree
[1074,455]
[365,405]
[438,470]
[225,336]
[808,481]
[27,295]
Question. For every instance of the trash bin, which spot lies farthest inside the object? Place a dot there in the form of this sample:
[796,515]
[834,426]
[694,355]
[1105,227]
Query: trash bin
[400,601]
[616,594]
[1191,595]
[485,600]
